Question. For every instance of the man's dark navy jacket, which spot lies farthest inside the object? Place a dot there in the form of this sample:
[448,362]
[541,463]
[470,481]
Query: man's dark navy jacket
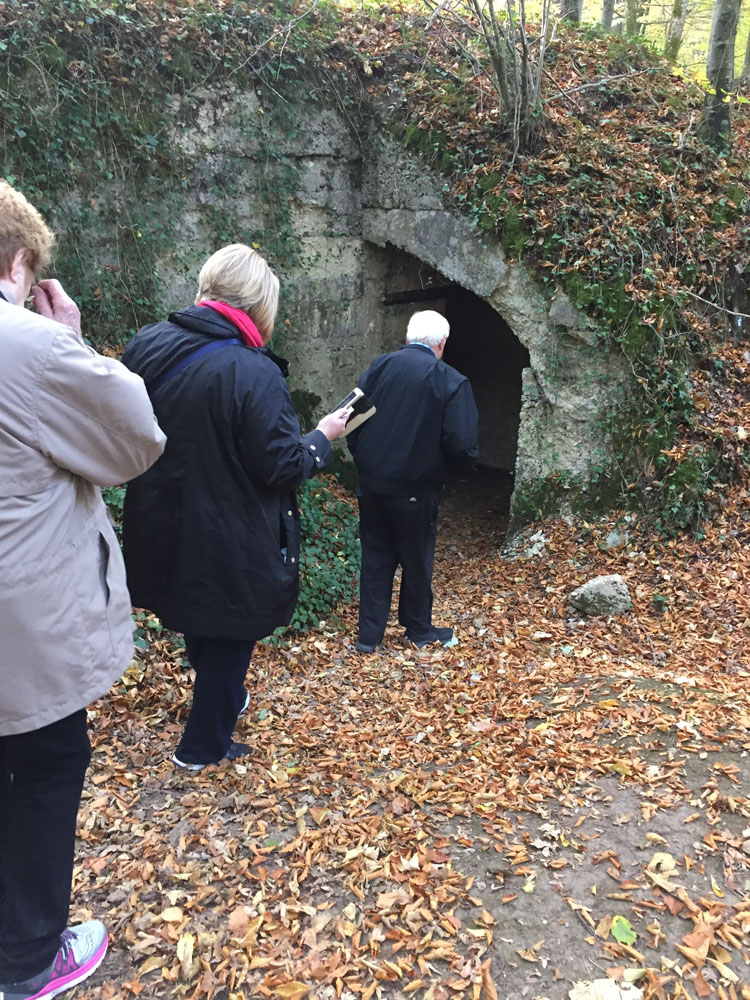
[426,421]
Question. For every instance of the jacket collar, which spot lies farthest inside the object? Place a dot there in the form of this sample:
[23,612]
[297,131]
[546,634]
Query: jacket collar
[420,347]
[209,323]
[281,363]
[206,321]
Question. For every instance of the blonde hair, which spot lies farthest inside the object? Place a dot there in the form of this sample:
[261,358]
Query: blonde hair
[22,228]
[242,278]
[428,327]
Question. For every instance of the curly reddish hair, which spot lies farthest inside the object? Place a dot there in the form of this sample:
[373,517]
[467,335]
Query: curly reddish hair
[22,228]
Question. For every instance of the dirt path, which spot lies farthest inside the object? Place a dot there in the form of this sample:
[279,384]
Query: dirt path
[482,820]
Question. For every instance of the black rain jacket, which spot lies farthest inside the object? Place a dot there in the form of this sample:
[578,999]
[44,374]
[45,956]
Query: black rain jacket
[426,422]
[211,532]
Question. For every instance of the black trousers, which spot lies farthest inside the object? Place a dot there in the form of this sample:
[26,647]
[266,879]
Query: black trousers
[41,778]
[220,668]
[393,531]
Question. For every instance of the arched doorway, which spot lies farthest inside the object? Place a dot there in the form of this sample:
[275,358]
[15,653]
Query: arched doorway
[481,346]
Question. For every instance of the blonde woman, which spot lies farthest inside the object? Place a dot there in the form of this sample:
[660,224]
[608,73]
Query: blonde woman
[211,533]
[70,422]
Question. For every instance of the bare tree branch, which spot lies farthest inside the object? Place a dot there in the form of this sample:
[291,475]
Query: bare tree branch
[723,309]
[596,83]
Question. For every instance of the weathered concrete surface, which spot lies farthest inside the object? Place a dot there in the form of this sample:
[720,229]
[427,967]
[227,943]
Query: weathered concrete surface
[445,242]
[370,221]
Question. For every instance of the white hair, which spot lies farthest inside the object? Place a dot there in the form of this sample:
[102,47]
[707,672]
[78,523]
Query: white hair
[427,327]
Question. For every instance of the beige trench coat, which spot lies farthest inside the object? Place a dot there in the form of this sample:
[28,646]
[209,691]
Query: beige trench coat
[70,422]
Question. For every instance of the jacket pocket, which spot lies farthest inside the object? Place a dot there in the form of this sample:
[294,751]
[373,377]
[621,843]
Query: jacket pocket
[113,581]
[100,584]
[104,567]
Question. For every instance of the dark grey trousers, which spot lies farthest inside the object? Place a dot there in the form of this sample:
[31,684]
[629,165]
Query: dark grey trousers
[218,696]
[396,531]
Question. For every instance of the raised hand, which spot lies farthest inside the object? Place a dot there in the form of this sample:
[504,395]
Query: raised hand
[51,300]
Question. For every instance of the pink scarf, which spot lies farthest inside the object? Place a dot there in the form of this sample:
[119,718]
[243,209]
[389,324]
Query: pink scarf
[237,318]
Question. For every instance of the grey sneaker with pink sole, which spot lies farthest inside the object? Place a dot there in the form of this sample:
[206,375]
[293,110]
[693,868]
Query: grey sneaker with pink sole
[82,950]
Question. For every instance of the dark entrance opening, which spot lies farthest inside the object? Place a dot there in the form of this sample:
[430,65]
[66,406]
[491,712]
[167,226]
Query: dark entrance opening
[483,347]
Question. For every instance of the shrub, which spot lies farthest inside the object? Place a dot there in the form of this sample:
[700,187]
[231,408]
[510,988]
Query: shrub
[330,557]
[114,497]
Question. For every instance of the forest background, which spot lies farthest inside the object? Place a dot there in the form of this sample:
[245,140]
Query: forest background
[656,17]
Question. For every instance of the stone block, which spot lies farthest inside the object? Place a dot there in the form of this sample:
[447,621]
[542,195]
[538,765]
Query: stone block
[602,595]
[563,313]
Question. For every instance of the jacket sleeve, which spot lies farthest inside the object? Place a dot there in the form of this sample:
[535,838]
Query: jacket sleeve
[272,451]
[94,417]
[460,428]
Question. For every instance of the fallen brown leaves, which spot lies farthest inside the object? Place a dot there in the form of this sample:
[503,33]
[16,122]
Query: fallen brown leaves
[466,822]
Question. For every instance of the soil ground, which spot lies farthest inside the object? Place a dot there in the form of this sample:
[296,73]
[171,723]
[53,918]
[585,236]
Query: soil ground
[484,820]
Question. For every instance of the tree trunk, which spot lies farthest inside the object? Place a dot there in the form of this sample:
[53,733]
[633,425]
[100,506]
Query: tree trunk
[570,10]
[517,67]
[633,13]
[674,29]
[608,13]
[720,72]
[498,51]
[745,75]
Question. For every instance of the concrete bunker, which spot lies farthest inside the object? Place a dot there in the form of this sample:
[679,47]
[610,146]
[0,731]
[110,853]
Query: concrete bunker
[380,237]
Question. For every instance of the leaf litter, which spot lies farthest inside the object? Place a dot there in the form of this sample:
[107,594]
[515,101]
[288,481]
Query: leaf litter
[553,801]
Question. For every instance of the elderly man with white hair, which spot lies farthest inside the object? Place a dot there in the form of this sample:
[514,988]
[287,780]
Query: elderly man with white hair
[425,422]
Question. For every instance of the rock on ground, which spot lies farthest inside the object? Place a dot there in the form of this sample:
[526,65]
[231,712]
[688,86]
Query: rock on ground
[603,595]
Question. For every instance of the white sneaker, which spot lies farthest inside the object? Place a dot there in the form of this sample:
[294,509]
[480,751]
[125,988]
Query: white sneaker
[188,767]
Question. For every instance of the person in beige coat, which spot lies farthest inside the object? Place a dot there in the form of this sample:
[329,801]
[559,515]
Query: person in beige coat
[71,421]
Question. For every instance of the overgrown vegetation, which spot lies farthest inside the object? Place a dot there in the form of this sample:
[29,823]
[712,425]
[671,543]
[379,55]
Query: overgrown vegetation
[619,202]
[330,557]
[95,97]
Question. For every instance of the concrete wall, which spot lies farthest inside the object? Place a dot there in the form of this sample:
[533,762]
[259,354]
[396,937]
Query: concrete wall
[371,221]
